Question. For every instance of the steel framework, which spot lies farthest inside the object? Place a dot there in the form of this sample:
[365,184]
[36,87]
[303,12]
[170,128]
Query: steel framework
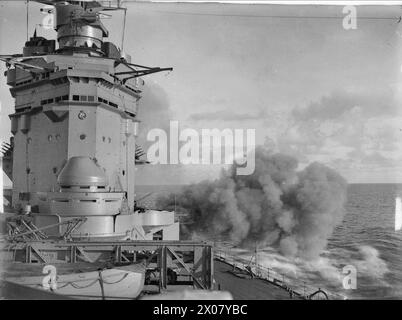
[192,261]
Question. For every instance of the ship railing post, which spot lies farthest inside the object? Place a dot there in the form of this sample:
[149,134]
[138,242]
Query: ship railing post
[1,185]
[28,254]
[162,267]
[118,253]
[73,257]
[204,266]
[211,269]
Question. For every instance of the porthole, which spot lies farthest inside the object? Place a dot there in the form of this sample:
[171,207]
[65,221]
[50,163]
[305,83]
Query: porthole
[83,136]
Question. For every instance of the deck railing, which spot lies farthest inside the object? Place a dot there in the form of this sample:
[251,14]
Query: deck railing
[295,287]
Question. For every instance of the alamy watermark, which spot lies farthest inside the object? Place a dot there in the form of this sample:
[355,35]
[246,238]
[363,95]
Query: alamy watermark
[49,282]
[349,22]
[48,19]
[349,281]
[188,146]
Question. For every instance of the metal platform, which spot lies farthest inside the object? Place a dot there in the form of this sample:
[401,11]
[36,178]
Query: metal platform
[193,262]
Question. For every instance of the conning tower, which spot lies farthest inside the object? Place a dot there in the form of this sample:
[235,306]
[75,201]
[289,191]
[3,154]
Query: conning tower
[75,125]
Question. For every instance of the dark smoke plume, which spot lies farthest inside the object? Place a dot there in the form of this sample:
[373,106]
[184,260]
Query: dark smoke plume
[294,211]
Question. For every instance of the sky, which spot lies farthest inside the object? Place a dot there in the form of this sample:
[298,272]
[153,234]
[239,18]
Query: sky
[308,87]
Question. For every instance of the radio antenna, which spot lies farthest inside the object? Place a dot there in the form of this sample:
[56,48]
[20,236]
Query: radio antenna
[27,2]
[124,27]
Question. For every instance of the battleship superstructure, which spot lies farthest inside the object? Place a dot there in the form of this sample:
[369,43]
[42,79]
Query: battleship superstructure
[74,130]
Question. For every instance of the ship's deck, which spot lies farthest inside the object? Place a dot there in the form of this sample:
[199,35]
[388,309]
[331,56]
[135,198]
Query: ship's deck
[246,288]
[239,287]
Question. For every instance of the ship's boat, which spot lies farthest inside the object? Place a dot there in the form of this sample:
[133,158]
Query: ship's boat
[79,280]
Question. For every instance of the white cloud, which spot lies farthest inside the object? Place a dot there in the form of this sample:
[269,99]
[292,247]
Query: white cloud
[347,130]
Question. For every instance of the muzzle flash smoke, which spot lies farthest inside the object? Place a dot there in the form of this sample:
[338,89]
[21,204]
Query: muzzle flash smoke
[294,211]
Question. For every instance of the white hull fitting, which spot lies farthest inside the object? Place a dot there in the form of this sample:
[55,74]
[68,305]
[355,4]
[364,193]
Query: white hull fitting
[125,282]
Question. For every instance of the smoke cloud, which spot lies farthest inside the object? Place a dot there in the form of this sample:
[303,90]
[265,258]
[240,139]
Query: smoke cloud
[154,112]
[371,264]
[278,206]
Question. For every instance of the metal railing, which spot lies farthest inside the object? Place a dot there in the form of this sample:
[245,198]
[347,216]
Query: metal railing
[298,288]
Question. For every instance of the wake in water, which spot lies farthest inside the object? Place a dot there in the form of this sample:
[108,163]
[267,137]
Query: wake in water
[327,271]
